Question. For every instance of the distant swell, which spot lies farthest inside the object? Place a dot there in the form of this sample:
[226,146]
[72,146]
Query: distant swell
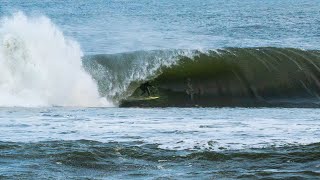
[221,77]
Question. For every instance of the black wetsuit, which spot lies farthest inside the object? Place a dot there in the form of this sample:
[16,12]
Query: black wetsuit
[145,88]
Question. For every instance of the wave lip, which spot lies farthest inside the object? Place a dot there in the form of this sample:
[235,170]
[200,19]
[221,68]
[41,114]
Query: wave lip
[264,76]
[118,75]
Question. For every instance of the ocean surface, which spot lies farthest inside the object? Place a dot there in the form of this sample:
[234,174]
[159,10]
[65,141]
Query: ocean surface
[168,143]
[249,73]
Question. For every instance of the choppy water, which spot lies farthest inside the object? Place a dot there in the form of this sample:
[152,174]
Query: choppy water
[175,143]
[259,51]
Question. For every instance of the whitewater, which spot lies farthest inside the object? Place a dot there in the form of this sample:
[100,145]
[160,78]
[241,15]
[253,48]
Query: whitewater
[41,67]
[238,87]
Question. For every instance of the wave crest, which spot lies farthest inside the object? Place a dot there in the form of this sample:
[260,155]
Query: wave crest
[230,76]
[41,67]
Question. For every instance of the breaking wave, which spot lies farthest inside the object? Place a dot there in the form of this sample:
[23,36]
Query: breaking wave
[39,66]
[230,76]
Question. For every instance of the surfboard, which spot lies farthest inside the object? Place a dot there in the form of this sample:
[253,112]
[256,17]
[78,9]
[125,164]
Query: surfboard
[143,98]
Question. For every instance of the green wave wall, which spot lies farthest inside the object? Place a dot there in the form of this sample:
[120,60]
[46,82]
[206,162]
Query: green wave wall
[230,76]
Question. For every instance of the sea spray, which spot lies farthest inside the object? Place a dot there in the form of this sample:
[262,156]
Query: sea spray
[39,66]
[119,75]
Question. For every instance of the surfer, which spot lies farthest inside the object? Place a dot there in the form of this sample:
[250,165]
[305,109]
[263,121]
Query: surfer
[189,89]
[145,88]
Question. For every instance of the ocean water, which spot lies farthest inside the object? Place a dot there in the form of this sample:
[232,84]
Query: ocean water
[67,68]
[168,143]
[119,26]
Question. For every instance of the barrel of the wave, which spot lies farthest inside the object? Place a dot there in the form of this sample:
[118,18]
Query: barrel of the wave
[243,77]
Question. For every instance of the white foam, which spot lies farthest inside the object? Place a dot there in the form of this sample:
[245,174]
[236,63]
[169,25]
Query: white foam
[139,67]
[39,66]
[211,129]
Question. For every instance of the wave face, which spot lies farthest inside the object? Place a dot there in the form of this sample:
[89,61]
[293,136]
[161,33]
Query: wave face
[230,76]
[39,66]
[119,75]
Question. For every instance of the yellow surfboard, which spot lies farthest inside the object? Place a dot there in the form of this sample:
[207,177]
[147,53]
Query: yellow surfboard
[142,98]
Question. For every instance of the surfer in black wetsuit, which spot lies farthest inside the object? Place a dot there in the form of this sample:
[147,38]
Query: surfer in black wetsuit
[189,89]
[145,88]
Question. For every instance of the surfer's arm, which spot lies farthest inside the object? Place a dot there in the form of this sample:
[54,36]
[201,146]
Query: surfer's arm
[149,85]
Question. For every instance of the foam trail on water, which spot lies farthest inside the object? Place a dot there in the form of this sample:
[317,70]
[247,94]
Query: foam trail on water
[39,66]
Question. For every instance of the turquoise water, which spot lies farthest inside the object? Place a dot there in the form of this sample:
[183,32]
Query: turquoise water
[61,120]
